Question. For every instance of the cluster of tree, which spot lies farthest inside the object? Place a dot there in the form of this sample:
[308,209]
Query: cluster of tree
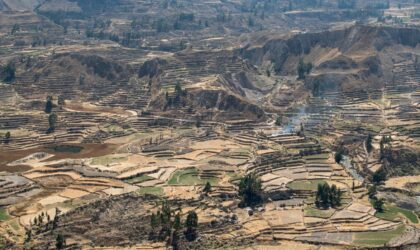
[162,25]
[378,204]
[378,5]
[178,99]
[346,4]
[101,35]
[186,17]
[250,190]
[165,224]
[42,223]
[130,38]
[8,73]
[303,69]
[397,162]
[327,196]
[311,151]
[52,117]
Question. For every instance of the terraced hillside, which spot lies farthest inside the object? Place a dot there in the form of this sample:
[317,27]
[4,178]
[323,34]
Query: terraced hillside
[187,124]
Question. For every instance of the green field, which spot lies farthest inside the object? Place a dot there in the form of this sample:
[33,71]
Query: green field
[4,215]
[377,238]
[151,190]
[305,185]
[392,213]
[189,177]
[319,213]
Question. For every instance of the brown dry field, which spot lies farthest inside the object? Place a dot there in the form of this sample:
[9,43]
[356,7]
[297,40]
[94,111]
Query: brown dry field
[89,150]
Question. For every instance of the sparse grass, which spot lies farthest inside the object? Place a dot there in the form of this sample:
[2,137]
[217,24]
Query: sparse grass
[15,225]
[151,190]
[139,179]
[105,160]
[4,215]
[392,213]
[233,176]
[377,238]
[305,185]
[319,213]
[189,177]
[415,187]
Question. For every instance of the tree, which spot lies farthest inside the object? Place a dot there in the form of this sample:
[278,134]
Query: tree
[308,68]
[7,137]
[56,218]
[207,188]
[48,105]
[335,196]
[250,190]
[379,176]
[154,222]
[8,73]
[191,223]
[175,233]
[372,192]
[165,218]
[60,242]
[61,101]
[28,235]
[369,143]
[52,120]
[278,121]
[177,222]
[338,156]
[15,29]
[301,69]
[378,205]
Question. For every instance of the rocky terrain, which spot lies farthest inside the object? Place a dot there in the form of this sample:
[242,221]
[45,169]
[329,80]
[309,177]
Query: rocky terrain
[123,121]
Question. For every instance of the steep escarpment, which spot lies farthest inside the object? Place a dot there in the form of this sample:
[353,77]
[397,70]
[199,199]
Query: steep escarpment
[347,41]
[355,55]
[216,81]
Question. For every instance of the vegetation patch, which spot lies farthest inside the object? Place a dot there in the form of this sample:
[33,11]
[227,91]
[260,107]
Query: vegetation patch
[392,213]
[305,185]
[139,179]
[377,238]
[4,215]
[66,149]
